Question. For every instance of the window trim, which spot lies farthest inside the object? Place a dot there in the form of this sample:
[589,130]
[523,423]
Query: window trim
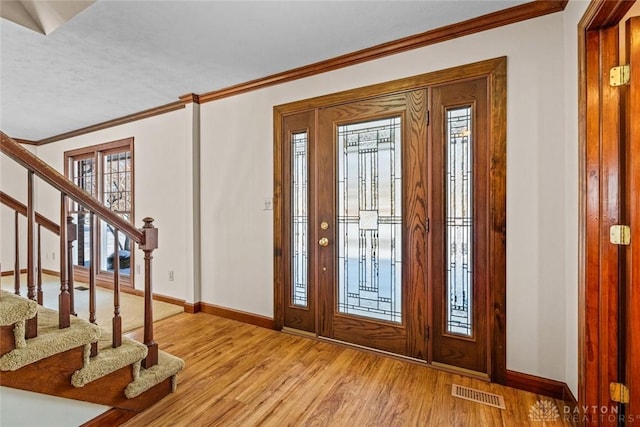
[97,152]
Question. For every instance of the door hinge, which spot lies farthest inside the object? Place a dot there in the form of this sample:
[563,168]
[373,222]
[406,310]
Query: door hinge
[428,117]
[620,234]
[427,225]
[619,392]
[427,332]
[619,76]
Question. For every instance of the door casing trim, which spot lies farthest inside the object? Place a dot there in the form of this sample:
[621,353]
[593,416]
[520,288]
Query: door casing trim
[495,71]
[592,312]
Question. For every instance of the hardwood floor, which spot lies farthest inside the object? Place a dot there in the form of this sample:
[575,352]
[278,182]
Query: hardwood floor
[242,375]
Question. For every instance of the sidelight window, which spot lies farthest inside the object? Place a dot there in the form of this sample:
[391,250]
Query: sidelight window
[459,221]
[299,218]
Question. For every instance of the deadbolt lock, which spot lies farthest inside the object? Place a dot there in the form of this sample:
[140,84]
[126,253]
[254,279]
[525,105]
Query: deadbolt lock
[324,225]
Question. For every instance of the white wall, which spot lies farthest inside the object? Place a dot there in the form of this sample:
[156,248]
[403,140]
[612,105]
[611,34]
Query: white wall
[13,181]
[572,15]
[237,168]
[162,191]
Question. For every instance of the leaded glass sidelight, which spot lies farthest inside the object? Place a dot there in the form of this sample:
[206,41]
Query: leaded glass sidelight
[299,219]
[459,221]
[83,174]
[369,215]
[117,188]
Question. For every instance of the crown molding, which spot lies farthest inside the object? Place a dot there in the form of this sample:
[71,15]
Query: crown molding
[115,122]
[190,98]
[482,23]
[497,19]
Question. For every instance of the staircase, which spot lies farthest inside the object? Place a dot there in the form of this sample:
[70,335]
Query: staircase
[55,352]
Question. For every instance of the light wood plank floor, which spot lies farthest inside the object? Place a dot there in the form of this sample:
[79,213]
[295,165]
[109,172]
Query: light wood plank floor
[242,375]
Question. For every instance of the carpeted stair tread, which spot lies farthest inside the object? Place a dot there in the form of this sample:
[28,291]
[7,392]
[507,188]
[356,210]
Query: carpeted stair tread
[168,366]
[50,340]
[14,308]
[109,359]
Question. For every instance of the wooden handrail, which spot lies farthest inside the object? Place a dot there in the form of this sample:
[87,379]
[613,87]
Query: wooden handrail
[21,155]
[17,206]
[146,237]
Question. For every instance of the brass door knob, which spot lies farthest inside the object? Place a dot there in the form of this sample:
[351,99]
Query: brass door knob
[323,242]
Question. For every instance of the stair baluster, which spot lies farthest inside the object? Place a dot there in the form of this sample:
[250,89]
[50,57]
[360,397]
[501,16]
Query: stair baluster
[40,295]
[117,320]
[31,330]
[64,307]
[72,236]
[16,265]
[92,276]
[41,221]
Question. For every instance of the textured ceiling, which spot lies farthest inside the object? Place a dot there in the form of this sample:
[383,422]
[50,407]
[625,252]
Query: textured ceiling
[121,57]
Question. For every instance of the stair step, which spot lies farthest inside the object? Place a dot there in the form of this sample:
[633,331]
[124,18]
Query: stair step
[168,366]
[110,359]
[15,308]
[50,340]
[53,376]
[14,311]
[58,361]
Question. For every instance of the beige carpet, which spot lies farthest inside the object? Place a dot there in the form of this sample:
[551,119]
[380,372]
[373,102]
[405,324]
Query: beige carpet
[131,306]
[50,340]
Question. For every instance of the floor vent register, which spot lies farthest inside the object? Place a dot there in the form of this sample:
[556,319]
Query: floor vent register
[478,396]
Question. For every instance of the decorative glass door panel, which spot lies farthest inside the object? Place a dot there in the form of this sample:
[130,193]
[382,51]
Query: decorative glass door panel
[369,219]
[366,294]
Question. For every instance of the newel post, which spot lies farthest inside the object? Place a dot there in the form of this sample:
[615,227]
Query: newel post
[150,243]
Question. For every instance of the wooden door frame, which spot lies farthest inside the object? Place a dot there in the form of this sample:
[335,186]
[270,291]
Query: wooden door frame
[599,160]
[495,71]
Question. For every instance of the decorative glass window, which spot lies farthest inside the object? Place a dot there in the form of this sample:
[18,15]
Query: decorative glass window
[83,174]
[106,172]
[459,221]
[299,218]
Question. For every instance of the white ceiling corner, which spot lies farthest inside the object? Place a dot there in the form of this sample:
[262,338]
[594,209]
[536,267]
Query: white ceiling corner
[42,16]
